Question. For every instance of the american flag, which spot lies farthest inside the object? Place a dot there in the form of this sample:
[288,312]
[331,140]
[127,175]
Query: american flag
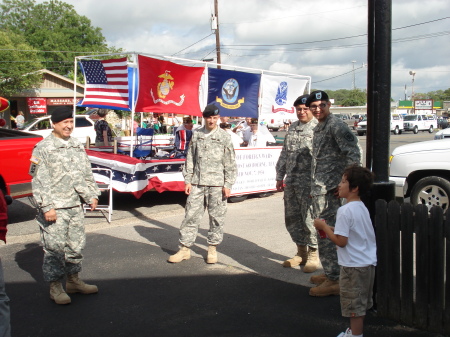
[106,84]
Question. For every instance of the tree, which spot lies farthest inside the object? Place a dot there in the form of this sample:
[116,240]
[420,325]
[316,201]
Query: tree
[55,28]
[438,95]
[345,97]
[18,69]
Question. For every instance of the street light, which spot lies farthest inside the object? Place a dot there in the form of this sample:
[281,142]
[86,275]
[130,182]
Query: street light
[412,73]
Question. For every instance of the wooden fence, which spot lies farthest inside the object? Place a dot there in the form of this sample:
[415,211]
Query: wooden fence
[413,257]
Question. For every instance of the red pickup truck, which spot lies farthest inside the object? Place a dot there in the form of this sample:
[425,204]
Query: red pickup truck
[15,154]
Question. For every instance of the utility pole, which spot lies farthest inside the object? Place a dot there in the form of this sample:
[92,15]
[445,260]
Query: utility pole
[354,81]
[215,27]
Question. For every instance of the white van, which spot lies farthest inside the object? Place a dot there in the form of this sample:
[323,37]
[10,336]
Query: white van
[396,125]
[416,123]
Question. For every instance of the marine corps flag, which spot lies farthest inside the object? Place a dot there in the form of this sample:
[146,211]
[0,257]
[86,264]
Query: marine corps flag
[235,92]
[167,87]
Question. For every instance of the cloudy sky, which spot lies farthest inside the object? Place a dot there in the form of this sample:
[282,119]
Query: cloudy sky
[325,39]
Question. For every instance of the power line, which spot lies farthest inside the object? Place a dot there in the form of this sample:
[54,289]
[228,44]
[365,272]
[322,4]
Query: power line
[192,44]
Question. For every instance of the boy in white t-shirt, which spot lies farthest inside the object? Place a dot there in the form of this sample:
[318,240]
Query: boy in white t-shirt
[356,248]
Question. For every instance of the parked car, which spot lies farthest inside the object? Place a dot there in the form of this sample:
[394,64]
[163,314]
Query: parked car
[15,150]
[84,127]
[441,134]
[416,123]
[273,124]
[442,122]
[421,171]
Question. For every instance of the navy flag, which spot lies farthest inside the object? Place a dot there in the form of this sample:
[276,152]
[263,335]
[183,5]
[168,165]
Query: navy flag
[235,92]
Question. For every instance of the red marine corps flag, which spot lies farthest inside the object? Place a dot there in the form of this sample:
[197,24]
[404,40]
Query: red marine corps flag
[167,87]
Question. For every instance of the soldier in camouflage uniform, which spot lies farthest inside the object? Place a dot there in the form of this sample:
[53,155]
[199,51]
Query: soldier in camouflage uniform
[334,148]
[294,167]
[62,176]
[209,172]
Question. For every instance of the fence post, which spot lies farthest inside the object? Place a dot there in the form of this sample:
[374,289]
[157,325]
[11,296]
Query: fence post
[447,273]
[394,297]
[407,279]
[436,270]
[422,266]
[383,253]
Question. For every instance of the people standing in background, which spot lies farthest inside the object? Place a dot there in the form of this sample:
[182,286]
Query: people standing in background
[20,120]
[103,134]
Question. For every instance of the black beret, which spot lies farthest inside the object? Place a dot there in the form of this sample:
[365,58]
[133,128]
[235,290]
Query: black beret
[211,110]
[317,95]
[61,113]
[301,100]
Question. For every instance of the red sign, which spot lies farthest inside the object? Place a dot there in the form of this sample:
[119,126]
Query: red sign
[37,105]
[60,101]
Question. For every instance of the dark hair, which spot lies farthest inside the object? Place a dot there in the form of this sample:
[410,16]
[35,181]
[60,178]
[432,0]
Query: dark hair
[102,112]
[358,176]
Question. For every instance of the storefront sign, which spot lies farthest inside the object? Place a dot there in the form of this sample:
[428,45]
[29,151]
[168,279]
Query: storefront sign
[37,105]
[426,104]
[60,101]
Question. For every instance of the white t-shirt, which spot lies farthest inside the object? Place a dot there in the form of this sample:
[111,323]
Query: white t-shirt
[353,221]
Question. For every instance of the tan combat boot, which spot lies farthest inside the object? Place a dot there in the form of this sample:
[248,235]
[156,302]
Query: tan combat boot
[183,254]
[58,294]
[75,285]
[312,262]
[327,288]
[318,279]
[212,255]
[299,259]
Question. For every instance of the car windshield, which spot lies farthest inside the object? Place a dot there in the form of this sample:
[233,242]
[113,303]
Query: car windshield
[26,124]
[410,118]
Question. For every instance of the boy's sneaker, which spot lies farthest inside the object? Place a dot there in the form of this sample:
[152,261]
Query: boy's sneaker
[347,333]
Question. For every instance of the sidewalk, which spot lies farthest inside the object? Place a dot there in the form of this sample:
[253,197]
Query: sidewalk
[247,293]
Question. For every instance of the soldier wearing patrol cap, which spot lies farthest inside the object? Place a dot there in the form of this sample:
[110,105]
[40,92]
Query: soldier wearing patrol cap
[209,172]
[335,147]
[293,173]
[62,177]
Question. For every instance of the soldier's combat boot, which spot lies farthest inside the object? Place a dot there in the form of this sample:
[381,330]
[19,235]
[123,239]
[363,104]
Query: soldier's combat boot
[183,254]
[75,285]
[299,259]
[212,255]
[312,262]
[318,279]
[58,294]
[327,288]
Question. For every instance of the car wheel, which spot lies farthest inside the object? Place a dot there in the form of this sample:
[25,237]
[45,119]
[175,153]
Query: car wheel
[396,131]
[431,191]
[416,130]
[275,129]
[430,130]
[360,133]
[263,195]
[238,198]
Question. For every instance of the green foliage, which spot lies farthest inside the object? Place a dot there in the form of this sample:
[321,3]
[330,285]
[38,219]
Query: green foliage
[438,95]
[344,97]
[18,69]
[55,28]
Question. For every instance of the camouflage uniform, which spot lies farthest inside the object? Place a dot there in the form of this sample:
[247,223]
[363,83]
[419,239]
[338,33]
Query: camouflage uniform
[334,148]
[294,166]
[61,176]
[210,166]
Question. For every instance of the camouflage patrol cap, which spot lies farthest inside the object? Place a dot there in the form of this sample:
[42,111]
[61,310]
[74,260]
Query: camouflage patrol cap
[61,113]
[317,95]
[211,110]
[301,100]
